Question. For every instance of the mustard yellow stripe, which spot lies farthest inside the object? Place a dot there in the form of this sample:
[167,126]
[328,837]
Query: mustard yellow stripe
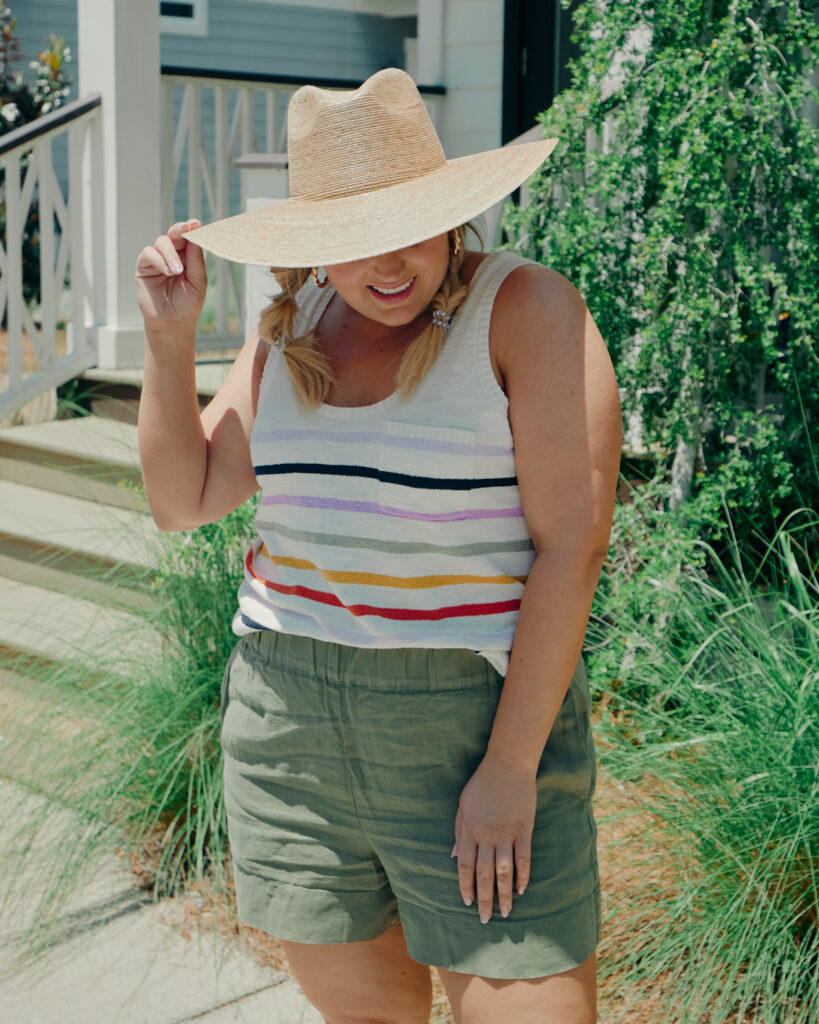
[373,579]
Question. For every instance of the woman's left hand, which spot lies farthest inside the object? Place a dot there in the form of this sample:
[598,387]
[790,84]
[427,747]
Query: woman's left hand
[493,833]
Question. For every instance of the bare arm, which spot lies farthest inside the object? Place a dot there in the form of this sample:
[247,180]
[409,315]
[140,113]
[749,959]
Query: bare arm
[565,417]
[196,468]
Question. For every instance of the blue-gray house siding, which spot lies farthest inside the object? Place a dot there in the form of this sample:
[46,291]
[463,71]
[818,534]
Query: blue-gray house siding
[301,41]
[254,38]
[245,37]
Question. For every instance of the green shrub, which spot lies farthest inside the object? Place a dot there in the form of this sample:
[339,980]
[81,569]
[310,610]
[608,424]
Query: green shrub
[691,232]
[21,102]
[652,550]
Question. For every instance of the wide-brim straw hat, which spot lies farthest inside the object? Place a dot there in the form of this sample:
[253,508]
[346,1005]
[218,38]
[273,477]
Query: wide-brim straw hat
[367,176]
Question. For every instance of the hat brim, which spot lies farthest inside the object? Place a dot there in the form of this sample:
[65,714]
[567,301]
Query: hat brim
[308,233]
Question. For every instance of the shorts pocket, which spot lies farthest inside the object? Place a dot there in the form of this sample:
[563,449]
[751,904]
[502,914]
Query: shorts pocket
[226,682]
[427,472]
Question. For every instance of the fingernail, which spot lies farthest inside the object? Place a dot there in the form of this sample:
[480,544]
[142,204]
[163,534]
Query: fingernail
[453,852]
[504,911]
[521,890]
[484,917]
[468,902]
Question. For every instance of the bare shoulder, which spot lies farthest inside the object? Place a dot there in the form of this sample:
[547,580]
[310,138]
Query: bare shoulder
[564,407]
[537,312]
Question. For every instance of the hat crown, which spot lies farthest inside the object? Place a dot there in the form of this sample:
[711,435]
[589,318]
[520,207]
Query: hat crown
[348,143]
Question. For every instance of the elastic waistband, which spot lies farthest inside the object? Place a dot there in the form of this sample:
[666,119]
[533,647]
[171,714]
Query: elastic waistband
[404,668]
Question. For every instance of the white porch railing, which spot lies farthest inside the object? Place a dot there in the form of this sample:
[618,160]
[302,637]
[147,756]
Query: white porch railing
[38,357]
[207,123]
[209,120]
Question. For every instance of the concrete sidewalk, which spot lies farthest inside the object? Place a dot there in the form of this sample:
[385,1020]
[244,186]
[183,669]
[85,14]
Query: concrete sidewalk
[120,958]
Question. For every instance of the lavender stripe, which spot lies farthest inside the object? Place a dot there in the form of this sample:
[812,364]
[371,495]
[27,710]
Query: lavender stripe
[419,443]
[339,504]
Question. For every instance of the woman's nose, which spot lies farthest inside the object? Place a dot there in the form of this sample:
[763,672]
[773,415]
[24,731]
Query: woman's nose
[390,263]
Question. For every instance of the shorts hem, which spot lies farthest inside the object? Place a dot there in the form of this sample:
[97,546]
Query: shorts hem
[317,916]
[533,948]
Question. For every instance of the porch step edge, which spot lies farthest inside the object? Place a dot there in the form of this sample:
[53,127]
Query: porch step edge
[103,533]
[48,625]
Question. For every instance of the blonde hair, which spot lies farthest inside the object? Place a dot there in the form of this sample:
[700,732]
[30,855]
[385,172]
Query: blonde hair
[309,369]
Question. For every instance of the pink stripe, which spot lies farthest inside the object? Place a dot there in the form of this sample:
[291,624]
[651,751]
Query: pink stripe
[372,507]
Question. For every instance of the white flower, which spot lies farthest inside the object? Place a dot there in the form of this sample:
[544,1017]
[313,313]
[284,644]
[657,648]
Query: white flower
[10,112]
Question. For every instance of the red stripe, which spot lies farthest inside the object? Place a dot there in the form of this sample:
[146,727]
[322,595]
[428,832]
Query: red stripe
[432,614]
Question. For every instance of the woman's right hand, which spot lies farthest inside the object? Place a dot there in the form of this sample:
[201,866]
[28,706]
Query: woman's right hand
[171,282]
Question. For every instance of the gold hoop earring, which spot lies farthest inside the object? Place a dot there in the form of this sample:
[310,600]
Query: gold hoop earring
[314,275]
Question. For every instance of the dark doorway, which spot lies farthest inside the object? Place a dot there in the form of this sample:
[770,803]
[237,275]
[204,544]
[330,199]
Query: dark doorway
[536,50]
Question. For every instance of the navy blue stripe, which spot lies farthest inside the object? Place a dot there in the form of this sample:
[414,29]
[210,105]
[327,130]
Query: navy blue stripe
[252,624]
[386,477]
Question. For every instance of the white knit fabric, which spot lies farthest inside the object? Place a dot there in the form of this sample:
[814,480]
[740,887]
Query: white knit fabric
[397,524]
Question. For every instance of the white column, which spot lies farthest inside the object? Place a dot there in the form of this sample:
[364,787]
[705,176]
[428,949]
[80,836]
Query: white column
[473,75]
[429,55]
[264,182]
[119,57]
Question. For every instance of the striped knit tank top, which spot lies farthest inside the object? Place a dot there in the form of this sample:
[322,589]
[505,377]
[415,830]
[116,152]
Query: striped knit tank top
[397,524]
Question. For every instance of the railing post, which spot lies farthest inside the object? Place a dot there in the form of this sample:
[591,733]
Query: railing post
[119,47]
[48,286]
[14,271]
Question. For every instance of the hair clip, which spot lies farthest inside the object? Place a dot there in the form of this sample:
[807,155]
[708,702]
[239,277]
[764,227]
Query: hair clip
[441,319]
[282,342]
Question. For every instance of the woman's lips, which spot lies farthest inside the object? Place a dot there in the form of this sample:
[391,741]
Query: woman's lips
[390,296]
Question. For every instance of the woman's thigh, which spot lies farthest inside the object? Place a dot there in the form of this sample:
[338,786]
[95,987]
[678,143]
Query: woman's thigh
[566,998]
[354,982]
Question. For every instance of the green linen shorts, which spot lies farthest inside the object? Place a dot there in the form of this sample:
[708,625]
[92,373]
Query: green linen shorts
[343,770]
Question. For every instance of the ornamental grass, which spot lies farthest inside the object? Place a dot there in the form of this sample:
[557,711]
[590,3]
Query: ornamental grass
[715,736]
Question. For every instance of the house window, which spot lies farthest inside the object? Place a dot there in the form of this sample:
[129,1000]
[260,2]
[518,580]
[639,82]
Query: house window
[184,17]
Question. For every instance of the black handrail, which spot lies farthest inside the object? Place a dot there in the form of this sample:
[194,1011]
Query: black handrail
[294,80]
[46,123]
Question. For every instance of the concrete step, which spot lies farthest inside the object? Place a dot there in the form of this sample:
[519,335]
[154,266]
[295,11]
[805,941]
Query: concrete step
[75,545]
[92,458]
[210,374]
[49,626]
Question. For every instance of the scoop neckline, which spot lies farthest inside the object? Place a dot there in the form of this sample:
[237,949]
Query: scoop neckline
[353,411]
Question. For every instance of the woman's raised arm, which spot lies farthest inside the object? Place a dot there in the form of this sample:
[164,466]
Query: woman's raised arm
[196,468]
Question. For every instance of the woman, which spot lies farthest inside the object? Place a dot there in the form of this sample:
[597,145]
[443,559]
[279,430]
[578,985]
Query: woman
[436,440]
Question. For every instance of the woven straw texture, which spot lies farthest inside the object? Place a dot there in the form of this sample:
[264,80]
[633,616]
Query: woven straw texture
[367,175]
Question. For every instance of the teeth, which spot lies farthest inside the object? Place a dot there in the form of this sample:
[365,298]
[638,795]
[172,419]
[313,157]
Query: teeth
[392,291]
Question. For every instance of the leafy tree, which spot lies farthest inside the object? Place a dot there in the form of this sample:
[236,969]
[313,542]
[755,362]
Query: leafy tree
[682,202]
